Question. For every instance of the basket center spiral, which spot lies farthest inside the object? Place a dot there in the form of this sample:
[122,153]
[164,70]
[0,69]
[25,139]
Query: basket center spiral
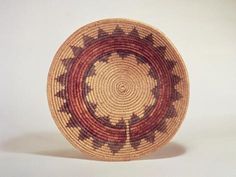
[120,87]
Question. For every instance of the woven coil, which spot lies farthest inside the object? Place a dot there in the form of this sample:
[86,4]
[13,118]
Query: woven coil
[118,89]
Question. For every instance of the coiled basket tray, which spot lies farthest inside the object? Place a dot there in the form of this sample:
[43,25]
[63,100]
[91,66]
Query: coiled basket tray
[117,89]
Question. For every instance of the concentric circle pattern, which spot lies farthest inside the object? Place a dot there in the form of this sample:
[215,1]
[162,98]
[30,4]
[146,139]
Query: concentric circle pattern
[117,89]
[120,88]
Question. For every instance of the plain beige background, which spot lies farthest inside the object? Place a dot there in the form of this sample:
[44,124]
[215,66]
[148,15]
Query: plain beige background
[203,31]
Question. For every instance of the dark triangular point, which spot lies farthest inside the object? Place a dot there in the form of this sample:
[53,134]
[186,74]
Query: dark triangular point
[118,31]
[87,40]
[171,112]
[149,38]
[61,79]
[76,50]
[61,94]
[134,33]
[68,62]
[102,33]
[161,50]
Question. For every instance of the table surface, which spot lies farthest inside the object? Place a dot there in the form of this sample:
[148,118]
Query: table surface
[202,31]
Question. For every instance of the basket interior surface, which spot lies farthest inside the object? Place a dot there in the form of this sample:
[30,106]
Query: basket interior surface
[118,89]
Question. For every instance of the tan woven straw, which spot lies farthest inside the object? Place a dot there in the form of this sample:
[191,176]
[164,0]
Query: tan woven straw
[118,89]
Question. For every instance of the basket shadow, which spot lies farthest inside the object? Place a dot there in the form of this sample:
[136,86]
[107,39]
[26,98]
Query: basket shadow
[54,144]
[169,150]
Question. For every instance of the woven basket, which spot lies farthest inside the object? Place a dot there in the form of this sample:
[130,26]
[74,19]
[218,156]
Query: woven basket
[117,89]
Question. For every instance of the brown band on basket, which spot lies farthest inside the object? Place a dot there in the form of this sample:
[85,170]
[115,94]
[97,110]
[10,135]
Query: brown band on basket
[82,112]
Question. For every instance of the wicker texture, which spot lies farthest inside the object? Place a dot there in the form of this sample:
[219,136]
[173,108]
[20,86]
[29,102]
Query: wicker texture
[117,89]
